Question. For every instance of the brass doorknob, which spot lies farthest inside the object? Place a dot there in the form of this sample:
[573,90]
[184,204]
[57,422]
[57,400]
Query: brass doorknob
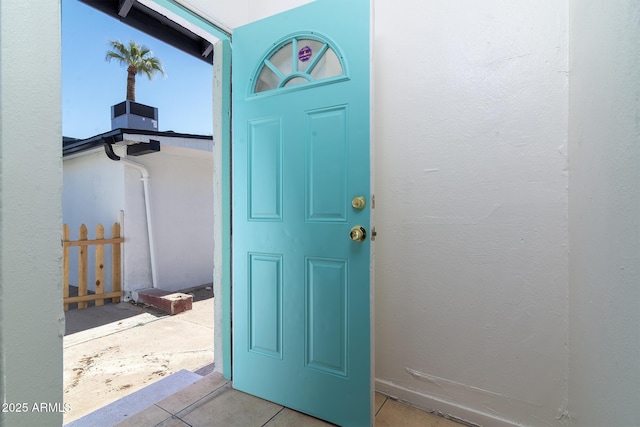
[358,233]
[358,202]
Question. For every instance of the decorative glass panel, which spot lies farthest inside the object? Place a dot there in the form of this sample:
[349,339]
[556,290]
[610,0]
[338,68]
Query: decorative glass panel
[282,59]
[267,80]
[296,81]
[308,50]
[298,61]
[328,66]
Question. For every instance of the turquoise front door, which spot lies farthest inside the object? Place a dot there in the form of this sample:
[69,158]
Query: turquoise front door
[301,201]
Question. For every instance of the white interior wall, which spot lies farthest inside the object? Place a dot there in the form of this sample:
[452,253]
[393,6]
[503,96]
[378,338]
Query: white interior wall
[262,9]
[31,312]
[471,177]
[604,213]
[92,194]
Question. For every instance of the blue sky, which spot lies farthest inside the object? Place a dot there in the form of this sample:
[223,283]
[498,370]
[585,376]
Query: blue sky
[90,85]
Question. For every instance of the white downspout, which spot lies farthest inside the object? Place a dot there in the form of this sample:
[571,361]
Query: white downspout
[145,184]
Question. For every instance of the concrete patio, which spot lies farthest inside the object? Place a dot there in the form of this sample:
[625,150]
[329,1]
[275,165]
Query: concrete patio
[116,349]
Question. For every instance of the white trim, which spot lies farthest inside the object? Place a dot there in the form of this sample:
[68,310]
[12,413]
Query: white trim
[218,214]
[151,4]
[215,21]
[84,153]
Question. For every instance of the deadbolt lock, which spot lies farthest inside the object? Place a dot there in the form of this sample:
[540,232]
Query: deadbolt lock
[358,233]
[359,202]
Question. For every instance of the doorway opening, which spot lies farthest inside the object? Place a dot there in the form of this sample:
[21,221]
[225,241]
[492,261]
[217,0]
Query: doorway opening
[113,350]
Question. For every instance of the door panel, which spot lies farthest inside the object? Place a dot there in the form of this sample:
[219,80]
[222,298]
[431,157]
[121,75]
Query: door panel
[301,291]
[326,315]
[265,169]
[265,302]
[326,172]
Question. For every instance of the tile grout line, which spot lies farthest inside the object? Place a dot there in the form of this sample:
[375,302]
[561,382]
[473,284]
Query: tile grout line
[275,415]
[198,400]
[175,417]
[381,406]
[171,416]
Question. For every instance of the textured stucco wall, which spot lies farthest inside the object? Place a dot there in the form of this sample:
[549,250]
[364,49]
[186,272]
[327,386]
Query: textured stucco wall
[604,213]
[31,315]
[136,254]
[92,194]
[181,200]
[262,9]
[471,207]
[96,189]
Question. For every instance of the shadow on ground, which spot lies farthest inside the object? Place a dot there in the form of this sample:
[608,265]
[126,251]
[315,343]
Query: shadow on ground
[78,320]
[200,293]
[93,317]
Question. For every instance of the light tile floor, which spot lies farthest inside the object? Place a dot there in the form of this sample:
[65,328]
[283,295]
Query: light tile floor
[212,402]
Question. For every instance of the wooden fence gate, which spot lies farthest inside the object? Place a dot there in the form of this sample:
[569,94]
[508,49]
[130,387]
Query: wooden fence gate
[83,266]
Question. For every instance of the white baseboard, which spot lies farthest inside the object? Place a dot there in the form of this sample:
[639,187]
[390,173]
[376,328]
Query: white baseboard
[434,404]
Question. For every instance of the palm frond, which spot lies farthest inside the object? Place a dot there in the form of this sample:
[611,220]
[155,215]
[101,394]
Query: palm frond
[137,58]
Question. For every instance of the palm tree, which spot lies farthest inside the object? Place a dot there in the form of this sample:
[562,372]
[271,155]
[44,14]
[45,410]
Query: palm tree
[138,59]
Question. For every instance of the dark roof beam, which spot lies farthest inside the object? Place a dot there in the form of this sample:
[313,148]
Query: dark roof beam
[154,24]
[125,7]
[208,48]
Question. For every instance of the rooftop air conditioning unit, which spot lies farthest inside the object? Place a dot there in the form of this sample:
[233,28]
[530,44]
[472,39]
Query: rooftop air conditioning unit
[131,115]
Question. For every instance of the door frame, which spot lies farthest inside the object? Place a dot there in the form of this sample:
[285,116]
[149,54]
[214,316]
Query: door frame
[222,194]
[193,21]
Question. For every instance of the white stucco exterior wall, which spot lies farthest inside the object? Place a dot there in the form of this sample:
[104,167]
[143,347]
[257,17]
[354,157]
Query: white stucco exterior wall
[92,194]
[136,253]
[181,200]
[31,315]
[97,189]
[94,181]
[604,213]
[182,207]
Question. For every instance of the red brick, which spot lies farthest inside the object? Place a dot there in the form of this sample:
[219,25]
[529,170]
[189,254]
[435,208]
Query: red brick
[169,302]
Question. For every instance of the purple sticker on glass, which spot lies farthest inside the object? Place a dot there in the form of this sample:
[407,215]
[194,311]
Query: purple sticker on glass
[304,54]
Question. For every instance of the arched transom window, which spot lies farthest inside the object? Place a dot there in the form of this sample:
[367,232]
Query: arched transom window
[302,59]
